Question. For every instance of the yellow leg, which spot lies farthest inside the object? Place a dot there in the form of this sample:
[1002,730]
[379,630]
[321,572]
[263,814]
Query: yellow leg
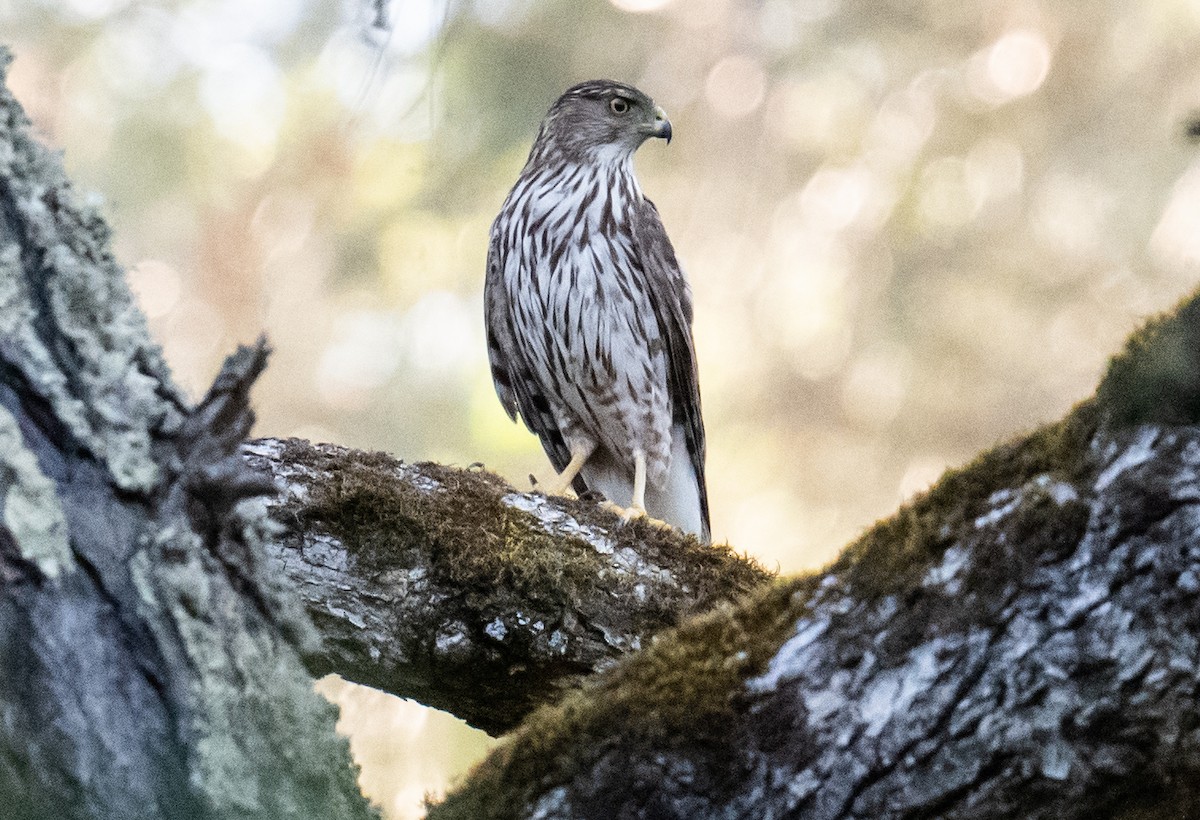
[637,504]
[559,484]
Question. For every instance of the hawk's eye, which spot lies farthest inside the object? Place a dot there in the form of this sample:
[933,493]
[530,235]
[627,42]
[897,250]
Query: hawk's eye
[619,105]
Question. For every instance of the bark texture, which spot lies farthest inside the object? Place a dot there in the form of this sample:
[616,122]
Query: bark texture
[450,588]
[151,667]
[1021,641]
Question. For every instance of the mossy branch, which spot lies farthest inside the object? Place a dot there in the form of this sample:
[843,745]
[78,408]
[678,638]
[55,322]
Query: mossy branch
[451,588]
[1020,641]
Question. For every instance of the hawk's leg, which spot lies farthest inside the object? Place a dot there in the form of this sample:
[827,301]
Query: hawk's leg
[579,454]
[637,505]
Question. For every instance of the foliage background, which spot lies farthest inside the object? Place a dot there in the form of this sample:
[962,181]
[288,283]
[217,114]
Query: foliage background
[913,228]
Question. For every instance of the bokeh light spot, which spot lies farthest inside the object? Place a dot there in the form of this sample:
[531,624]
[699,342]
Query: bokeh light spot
[834,197]
[1175,238]
[1070,213]
[95,9]
[442,335]
[363,353]
[243,92]
[994,168]
[947,199]
[1018,63]
[919,475]
[641,6]
[736,86]
[818,113]
[157,287]
[875,388]
[1014,66]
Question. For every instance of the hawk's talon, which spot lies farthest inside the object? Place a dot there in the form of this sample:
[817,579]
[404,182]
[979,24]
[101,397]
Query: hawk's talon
[634,513]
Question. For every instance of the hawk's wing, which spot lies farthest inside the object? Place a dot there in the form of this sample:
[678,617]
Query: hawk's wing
[671,297]
[516,386]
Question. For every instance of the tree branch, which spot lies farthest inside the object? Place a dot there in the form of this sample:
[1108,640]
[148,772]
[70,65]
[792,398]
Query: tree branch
[1020,641]
[451,588]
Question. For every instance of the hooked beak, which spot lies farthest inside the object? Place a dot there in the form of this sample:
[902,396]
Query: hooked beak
[662,125]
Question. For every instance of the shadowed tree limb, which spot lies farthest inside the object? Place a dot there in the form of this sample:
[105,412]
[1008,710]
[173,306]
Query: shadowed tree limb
[1019,641]
[451,588]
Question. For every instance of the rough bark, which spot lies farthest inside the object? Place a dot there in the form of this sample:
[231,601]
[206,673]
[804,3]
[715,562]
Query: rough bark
[151,667]
[1021,641]
[450,588]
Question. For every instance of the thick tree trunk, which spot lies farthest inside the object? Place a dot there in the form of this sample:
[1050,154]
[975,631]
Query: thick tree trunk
[149,669]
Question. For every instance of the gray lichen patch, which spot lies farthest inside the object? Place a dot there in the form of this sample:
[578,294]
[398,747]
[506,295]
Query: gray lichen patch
[257,530]
[29,503]
[240,691]
[190,632]
[17,319]
[554,519]
[66,307]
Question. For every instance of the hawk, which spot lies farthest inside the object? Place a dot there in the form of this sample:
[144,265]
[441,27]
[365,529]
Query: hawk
[589,316]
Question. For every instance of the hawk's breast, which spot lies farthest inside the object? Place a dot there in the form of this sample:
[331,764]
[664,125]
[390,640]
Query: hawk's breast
[578,292]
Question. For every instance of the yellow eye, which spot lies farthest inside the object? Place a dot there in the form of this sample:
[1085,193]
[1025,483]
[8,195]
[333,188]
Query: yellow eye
[619,105]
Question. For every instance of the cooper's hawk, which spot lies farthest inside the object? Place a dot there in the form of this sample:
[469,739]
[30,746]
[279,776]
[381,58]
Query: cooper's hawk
[589,315]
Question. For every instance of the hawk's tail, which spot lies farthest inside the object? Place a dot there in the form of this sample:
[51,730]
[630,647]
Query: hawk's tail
[678,501]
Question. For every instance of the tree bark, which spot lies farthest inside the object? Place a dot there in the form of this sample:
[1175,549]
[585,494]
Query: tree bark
[1021,641]
[151,666]
[450,588]
[158,664]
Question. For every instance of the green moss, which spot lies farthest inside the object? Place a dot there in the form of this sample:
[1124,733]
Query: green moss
[896,552]
[679,693]
[707,573]
[682,692]
[1156,378]
[476,541]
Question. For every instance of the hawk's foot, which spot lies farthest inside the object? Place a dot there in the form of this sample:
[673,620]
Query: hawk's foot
[634,512]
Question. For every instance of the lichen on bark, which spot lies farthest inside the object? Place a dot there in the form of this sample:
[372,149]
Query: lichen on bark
[999,647]
[157,674]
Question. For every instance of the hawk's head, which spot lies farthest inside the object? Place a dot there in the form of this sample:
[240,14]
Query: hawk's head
[601,121]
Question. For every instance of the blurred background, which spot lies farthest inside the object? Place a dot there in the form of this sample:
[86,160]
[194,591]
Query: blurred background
[913,228]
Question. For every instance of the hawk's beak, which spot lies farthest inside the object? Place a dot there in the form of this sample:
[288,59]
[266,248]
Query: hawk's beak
[662,125]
